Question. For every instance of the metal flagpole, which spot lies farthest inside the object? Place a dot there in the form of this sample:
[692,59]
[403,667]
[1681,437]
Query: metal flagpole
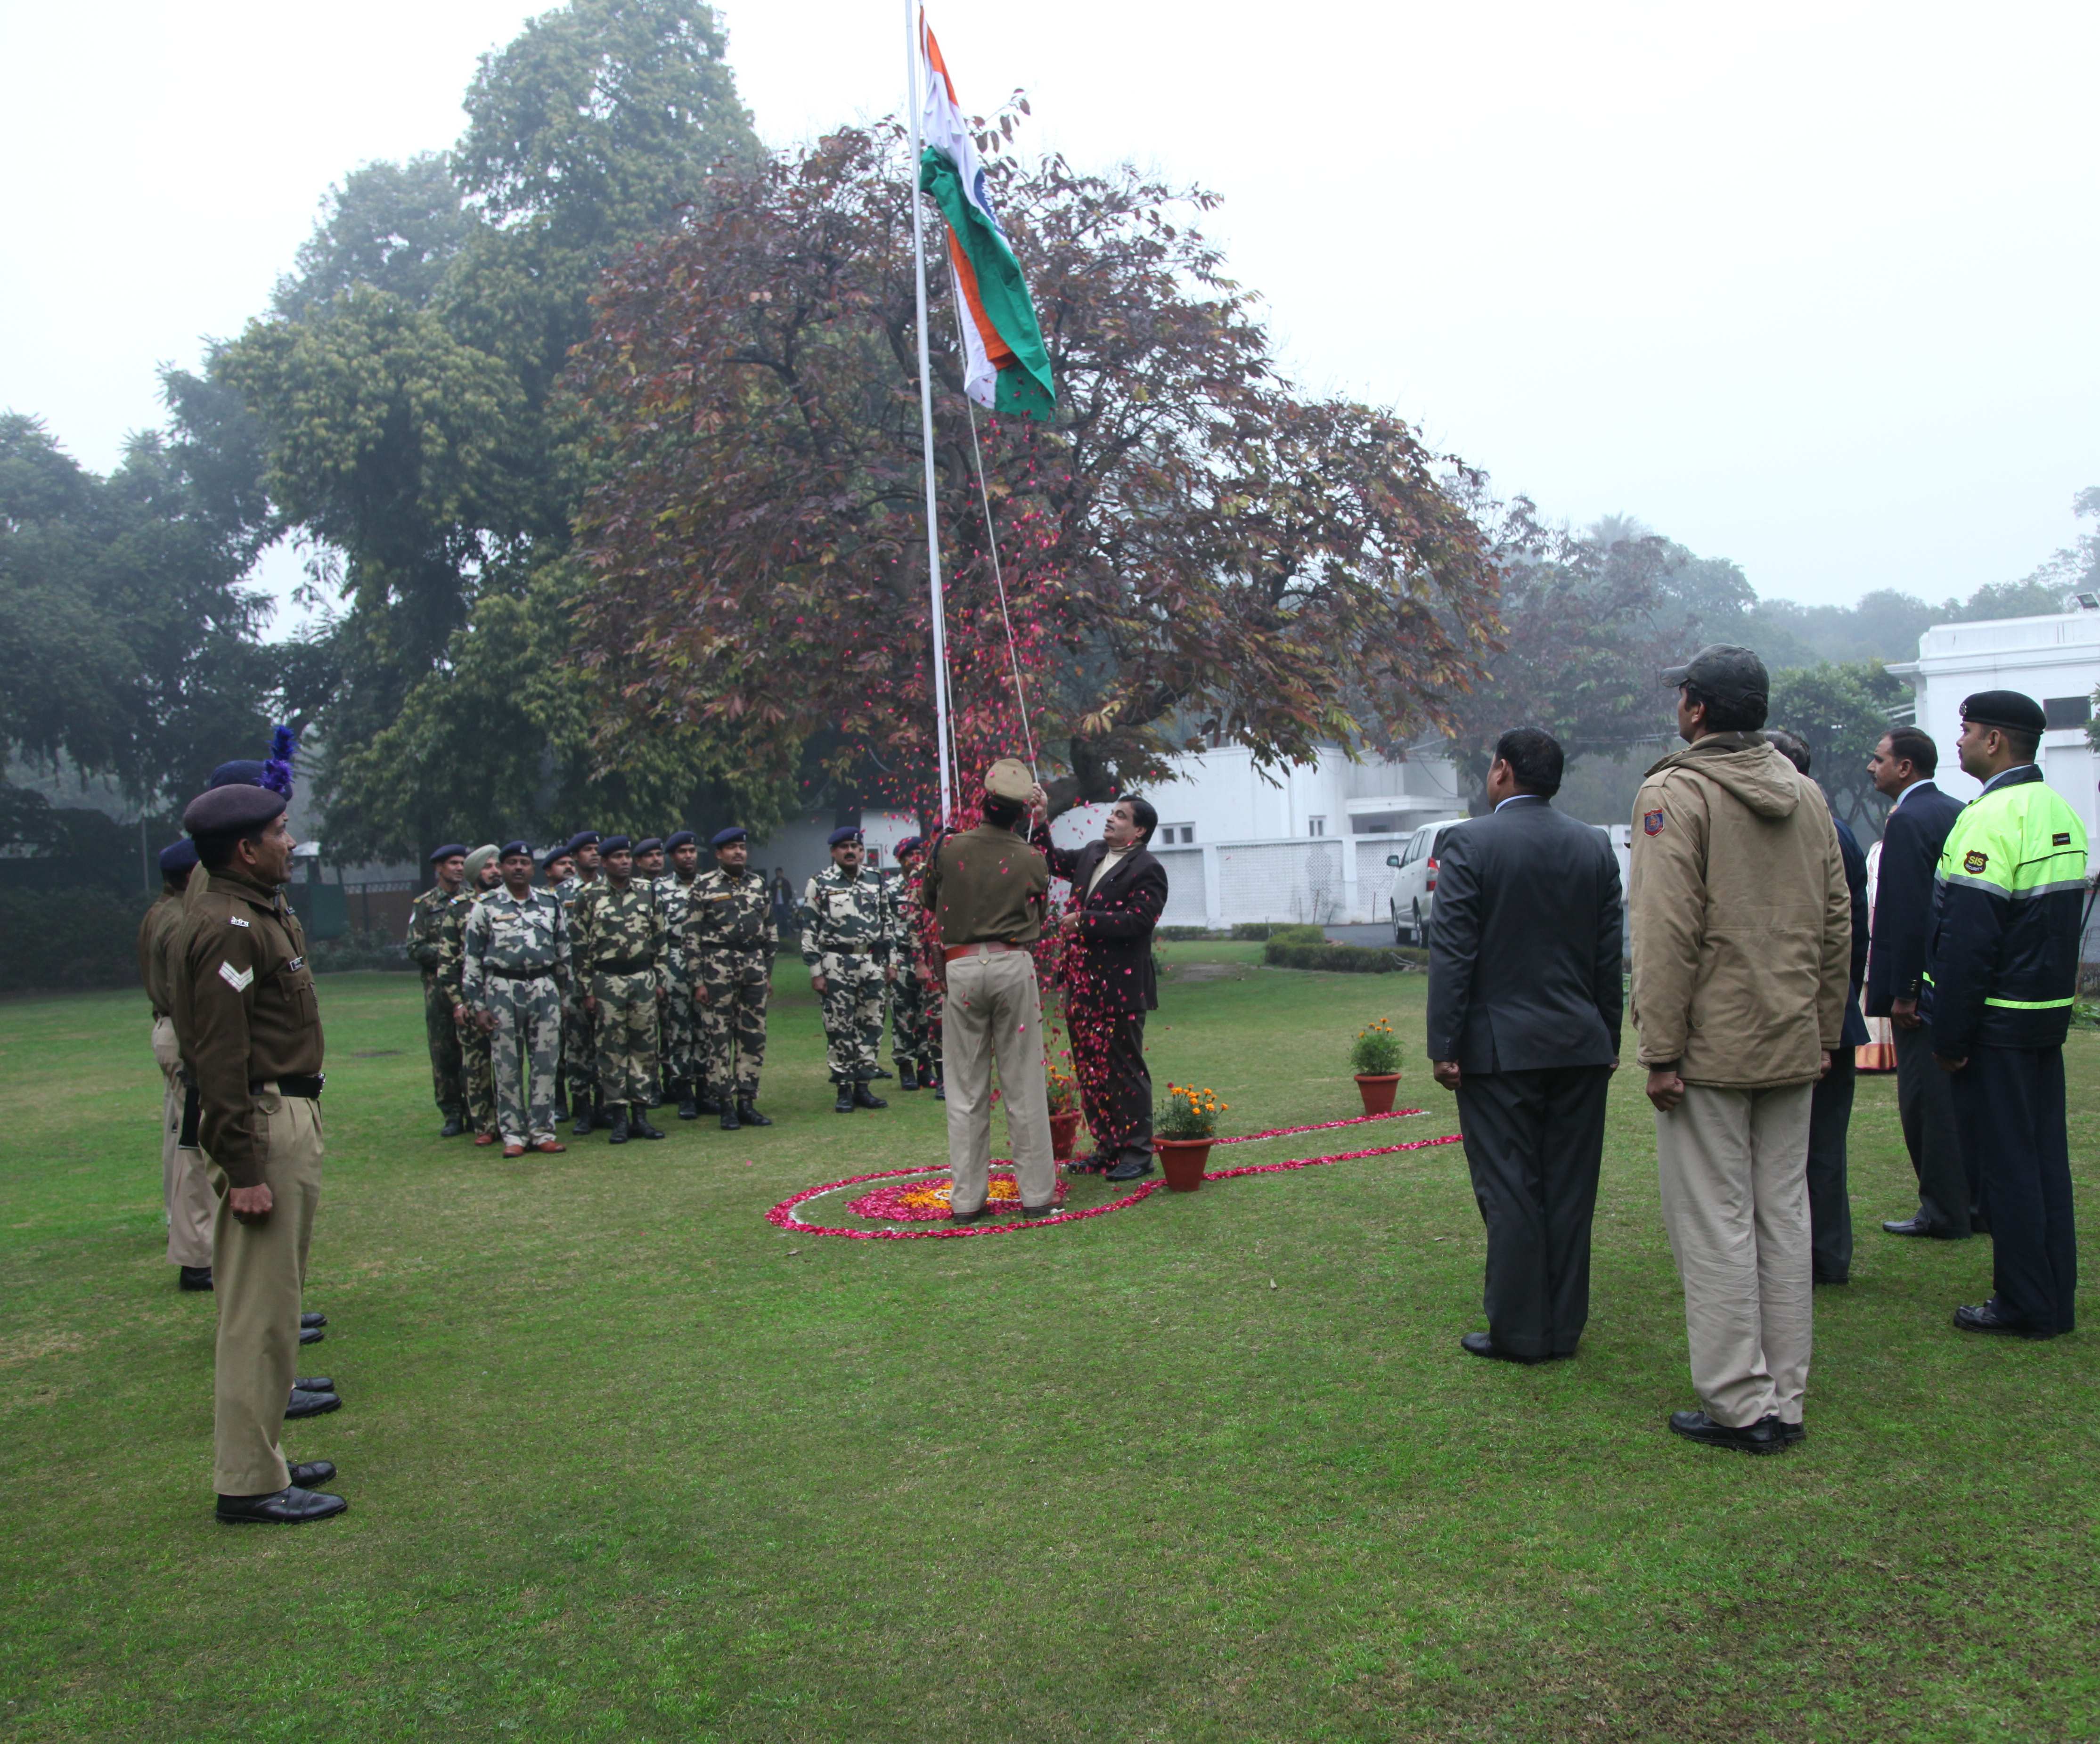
[926,423]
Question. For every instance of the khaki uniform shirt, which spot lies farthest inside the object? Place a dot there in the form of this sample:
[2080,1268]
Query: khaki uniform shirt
[162,919]
[986,885]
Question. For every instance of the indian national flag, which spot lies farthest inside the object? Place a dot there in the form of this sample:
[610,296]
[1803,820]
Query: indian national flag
[1007,369]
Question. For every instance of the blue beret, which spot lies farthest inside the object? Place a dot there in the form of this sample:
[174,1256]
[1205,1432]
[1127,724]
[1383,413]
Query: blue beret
[680,839]
[838,837]
[556,852]
[178,856]
[911,844]
[245,772]
[650,845]
[723,838]
[583,839]
[236,808]
[446,852]
[615,844]
[508,849]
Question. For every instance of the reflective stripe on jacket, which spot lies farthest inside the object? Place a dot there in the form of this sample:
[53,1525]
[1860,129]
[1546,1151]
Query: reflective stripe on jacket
[2007,903]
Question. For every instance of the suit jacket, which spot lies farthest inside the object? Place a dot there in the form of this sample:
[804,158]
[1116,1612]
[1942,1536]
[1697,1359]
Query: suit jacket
[1113,924]
[1525,963]
[1911,843]
[1855,881]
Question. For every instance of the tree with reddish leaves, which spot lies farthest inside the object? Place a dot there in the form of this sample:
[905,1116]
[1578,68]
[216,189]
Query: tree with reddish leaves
[1194,554]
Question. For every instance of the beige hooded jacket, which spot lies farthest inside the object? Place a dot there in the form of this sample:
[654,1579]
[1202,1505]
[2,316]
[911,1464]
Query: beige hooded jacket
[1741,921]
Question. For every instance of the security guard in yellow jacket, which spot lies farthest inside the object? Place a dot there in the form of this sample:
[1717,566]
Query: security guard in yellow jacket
[2002,972]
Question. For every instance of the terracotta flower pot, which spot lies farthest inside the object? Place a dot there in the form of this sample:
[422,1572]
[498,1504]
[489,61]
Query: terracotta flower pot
[1064,1129]
[1377,1088]
[1181,1160]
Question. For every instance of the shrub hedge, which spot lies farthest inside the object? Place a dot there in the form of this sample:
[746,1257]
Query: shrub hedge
[1343,959]
[66,940]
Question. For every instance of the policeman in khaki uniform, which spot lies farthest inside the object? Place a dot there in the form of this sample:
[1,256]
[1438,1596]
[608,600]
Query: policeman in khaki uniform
[2001,975]
[514,976]
[684,1076]
[849,935]
[426,928]
[186,1195]
[617,948]
[723,946]
[250,1034]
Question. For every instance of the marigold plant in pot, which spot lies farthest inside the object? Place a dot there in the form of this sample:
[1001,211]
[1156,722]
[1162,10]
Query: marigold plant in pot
[1184,1128]
[1374,1056]
[1064,1112]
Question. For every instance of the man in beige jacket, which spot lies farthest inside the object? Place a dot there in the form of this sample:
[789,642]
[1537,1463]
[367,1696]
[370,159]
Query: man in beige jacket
[1741,952]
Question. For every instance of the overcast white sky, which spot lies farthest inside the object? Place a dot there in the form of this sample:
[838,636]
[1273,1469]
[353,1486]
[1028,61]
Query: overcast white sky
[1812,286]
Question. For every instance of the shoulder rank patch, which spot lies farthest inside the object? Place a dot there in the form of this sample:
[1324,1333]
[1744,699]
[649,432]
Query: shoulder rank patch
[1975,861]
[234,920]
[238,979]
[2062,839]
[1652,825]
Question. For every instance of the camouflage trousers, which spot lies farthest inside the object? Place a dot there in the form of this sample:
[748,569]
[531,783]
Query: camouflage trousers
[685,1052]
[578,1049]
[853,996]
[447,1083]
[477,1075]
[525,1051]
[626,1027]
[731,1025]
[915,1022]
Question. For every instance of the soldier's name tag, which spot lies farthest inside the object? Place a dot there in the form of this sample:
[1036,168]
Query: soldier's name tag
[234,920]
[239,979]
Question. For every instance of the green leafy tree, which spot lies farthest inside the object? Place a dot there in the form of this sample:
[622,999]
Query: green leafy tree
[1840,711]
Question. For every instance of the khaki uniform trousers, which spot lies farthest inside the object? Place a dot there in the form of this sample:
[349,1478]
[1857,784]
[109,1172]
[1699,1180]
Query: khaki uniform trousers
[995,1009]
[185,1185]
[1734,1168]
[258,1271]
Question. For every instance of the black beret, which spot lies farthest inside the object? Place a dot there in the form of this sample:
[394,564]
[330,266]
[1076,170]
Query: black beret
[447,852]
[680,839]
[178,856]
[840,837]
[2004,708]
[584,839]
[244,772]
[734,833]
[229,810]
[508,849]
[615,844]
[650,845]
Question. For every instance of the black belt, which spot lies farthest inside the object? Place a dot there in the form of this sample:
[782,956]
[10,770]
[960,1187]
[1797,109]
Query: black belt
[308,1087]
[623,965]
[517,975]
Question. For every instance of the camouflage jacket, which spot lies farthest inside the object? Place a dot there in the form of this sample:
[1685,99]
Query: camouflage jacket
[617,932]
[450,946]
[506,934]
[672,894]
[838,916]
[426,926]
[726,911]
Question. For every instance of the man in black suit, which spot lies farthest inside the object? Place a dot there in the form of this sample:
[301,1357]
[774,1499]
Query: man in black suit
[1526,999]
[1903,766]
[1118,892]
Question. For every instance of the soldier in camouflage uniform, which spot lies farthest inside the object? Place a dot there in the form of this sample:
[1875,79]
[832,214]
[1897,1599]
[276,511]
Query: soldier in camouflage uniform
[725,948]
[683,1073]
[426,922]
[649,860]
[848,931]
[478,1072]
[579,1039]
[915,1013]
[516,972]
[618,947]
[558,866]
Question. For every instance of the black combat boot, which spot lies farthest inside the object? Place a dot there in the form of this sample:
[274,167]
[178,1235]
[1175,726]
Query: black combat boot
[844,1105]
[747,1112]
[689,1107]
[880,1073]
[729,1122]
[561,1100]
[582,1125]
[865,1097]
[618,1111]
[907,1076]
[638,1123]
[452,1128]
[704,1102]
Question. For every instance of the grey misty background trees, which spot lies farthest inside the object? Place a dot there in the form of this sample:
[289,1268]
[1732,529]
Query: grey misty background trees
[401,410]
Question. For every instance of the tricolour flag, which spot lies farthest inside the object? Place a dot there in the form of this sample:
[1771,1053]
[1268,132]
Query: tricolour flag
[1006,369]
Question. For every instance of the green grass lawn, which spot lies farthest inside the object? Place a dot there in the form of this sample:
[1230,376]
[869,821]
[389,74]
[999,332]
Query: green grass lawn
[625,1462]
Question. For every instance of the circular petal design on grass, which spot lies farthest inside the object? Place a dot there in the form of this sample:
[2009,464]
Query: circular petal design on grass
[922,1201]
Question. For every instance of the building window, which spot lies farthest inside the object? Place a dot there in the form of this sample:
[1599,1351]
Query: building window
[2066,712]
[1316,826]
[1171,833]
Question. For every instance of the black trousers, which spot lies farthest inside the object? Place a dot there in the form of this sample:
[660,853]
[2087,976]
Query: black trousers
[1830,1199]
[1534,1143]
[1948,1189]
[1115,1085]
[2009,1104]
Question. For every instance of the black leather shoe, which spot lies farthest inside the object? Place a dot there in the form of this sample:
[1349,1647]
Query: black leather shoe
[977,1216]
[452,1129]
[311,1335]
[618,1135]
[940,1089]
[747,1112]
[687,1110]
[1988,1317]
[1483,1344]
[907,1076]
[313,1472]
[638,1124]
[193,1277]
[311,1404]
[291,1506]
[314,1384]
[1089,1165]
[844,1105]
[1131,1169]
[1764,1436]
[1919,1227]
[311,1318]
[1036,1214]
[1825,1277]
[865,1097]
[1792,1433]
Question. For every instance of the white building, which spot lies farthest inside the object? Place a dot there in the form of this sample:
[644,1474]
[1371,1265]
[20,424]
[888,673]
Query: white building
[2055,660]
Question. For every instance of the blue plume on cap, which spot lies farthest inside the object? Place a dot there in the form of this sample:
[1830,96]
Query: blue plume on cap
[277,771]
